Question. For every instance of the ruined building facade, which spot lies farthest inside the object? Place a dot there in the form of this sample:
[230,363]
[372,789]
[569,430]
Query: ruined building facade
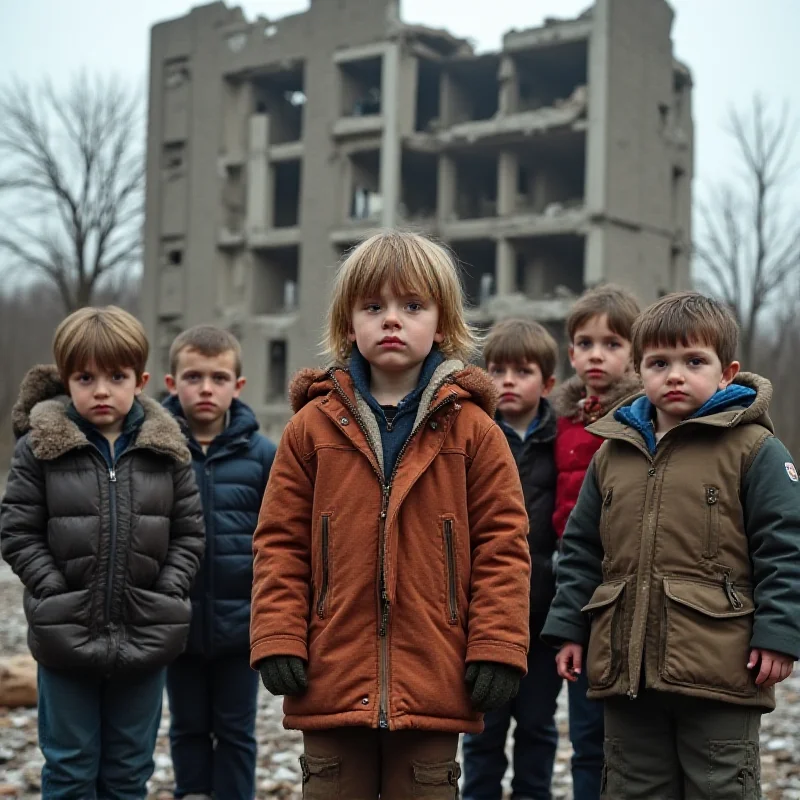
[561,161]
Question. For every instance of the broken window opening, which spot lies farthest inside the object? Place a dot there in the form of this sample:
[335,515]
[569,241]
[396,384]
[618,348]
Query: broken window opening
[282,96]
[275,388]
[274,269]
[365,199]
[420,183]
[173,159]
[472,90]
[361,87]
[551,178]
[553,76]
[175,257]
[428,92]
[476,186]
[550,265]
[286,203]
[477,262]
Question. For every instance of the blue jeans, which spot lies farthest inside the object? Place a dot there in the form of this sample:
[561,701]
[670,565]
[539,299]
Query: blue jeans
[212,703]
[535,737]
[97,735]
[586,730]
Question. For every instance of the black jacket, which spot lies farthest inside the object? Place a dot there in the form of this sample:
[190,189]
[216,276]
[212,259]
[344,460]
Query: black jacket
[232,476]
[107,555]
[537,471]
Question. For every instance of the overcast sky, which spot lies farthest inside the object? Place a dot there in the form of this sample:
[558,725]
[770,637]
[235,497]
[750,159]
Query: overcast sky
[734,47]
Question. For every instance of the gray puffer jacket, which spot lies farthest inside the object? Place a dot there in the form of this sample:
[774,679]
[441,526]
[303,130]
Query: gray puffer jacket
[107,555]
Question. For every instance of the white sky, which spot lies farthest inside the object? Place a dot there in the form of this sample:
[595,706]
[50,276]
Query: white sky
[734,47]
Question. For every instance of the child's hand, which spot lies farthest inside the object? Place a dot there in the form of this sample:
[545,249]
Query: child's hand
[569,661]
[283,675]
[775,667]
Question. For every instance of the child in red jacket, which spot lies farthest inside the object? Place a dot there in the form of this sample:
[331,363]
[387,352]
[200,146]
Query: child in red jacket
[599,329]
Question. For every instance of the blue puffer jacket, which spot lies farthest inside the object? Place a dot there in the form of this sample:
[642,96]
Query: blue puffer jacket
[232,477]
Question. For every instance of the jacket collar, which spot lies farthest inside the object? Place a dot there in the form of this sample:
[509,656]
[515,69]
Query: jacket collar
[41,411]
[569,396]
[745,401]
[242,422]
[545,430]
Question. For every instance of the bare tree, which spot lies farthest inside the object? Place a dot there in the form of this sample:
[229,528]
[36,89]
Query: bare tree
[71,184]
[748,247]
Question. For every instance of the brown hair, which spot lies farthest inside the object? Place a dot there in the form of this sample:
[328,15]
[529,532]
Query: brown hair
[516,341]
[409,263]
[686,319]
[209,341]
[108,337]
[618,305]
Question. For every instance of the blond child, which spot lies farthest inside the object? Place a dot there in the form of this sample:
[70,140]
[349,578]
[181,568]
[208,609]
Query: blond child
[390,599]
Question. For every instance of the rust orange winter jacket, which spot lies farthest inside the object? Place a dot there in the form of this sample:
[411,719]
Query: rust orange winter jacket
[389,586]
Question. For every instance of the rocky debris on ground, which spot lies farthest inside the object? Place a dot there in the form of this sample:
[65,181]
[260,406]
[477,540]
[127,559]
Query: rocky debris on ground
[279,750]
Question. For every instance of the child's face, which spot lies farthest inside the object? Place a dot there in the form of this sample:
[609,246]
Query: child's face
[678,380]
[393,332]
[599,356]
[520,387]
[105,398]
[205,385]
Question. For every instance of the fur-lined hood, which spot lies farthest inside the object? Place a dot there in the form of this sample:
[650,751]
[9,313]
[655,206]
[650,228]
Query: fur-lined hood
[41,412]
[474,382]
[567,398]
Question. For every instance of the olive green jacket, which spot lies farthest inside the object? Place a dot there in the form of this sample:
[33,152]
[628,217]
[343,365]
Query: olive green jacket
[679,558]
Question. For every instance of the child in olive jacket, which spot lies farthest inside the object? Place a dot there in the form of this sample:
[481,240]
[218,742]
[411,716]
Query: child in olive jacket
[680,565]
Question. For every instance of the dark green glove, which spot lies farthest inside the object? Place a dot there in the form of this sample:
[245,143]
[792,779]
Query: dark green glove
[491,685]
[283,675]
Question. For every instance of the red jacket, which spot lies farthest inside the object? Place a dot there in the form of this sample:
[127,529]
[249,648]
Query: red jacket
[575,446]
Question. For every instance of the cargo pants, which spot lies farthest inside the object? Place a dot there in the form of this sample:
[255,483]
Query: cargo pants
[365,764]
[670,747]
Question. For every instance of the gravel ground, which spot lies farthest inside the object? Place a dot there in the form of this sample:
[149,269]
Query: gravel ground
[278,768]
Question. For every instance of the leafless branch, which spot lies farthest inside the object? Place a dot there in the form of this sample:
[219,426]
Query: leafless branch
[72,165]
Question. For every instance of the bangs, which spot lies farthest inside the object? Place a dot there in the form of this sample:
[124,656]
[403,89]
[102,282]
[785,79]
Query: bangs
[398,264]
[509,350]
[108,338]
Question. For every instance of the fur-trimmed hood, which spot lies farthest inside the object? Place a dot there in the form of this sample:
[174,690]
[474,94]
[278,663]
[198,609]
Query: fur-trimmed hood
[567,398]
[475,383]
[41,412]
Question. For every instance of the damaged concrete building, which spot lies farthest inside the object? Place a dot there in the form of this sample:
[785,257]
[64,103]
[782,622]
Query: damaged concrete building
[561,161]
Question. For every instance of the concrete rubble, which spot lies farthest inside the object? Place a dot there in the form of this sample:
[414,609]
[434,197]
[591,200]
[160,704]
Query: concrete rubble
[278,767]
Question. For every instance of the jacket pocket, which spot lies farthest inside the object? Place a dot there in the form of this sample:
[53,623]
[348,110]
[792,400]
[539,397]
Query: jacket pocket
[144,607]
[605,515]
[604,654]
[324,585]
[451,573]
[706,636]
[712,521]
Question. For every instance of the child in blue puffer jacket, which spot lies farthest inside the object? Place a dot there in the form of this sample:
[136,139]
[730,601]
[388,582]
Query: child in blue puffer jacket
[212,689]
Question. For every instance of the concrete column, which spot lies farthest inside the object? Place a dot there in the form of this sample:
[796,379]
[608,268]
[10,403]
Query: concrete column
[594,259]
[259,177]
[390,146]
[507,173]
[509,86]
[446,197]
[505,277]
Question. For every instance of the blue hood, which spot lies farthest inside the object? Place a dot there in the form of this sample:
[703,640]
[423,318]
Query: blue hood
[242,422]
[640,414]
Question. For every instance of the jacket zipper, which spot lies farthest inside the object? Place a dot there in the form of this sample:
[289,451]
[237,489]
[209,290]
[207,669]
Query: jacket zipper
[451,571]
[386,488]
[112,547]
[730,591]
[604,522]
[323,591]
[712,521]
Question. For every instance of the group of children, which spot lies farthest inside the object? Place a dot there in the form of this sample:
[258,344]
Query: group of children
[437,548]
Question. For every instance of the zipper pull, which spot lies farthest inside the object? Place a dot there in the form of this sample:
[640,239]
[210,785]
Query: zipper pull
[733,598]
[112,475]
[712,495]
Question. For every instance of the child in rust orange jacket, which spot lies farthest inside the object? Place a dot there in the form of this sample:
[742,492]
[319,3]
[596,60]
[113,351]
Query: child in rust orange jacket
[391,579]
